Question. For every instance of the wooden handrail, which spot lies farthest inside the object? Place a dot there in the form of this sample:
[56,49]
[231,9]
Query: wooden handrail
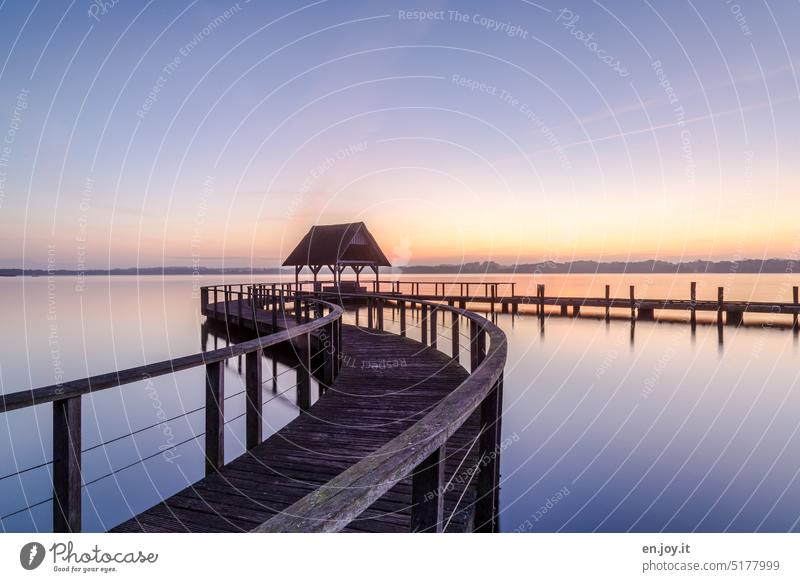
[72,388]
[331,507]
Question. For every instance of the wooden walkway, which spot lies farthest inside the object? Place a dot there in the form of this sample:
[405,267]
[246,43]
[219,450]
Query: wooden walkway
[367,406]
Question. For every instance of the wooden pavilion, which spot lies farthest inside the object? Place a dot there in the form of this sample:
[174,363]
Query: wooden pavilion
[337,246]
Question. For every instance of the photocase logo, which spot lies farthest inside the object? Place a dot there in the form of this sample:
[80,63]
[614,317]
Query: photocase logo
[31,555]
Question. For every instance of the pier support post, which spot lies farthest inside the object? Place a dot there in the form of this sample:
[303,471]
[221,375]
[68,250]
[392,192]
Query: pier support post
[424,324]
[67,465]
[477,344]
[304,372]
[608,303]
[633,304]
[504,306]
[565,310]
[693,304]
[379,313]
[402,317]
[215,416]
[576,310]
[254,399]
[486,505]
[427,494]
[646,314]
[796,300]
[203,300]
[434,329]
[455,334]
[540,293]
[720,301]
[734,318]
[369,312]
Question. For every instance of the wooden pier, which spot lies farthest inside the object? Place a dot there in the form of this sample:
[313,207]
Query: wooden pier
[402,437]
[501,296]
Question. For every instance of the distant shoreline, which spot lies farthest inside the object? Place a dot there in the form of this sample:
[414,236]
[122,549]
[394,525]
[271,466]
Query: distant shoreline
[746,266]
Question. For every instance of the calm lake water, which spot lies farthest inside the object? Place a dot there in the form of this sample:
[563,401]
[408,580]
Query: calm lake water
[611,427]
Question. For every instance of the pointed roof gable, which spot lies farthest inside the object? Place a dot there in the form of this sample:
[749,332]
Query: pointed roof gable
[337,243]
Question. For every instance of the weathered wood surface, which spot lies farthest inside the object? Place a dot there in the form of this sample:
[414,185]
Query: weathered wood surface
[387,385]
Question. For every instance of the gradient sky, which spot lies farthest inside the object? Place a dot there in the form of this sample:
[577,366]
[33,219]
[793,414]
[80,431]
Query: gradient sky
[218,132]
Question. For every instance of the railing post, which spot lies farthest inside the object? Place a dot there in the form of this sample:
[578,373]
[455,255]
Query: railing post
[477,345]
[203,300]
[424,323]
[274,307]
[403,317]
[67,465]
[427,494]
[486,506]
[215,419]
[455,333]
[304,372]
[254,398]
[434,333]
[329,355]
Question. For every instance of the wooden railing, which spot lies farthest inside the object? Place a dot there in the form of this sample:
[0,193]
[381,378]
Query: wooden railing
[419,452]
[66,397]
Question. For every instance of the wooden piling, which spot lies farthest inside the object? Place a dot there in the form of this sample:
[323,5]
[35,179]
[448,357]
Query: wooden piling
[254,399]
[608,303]
[633,303]
[67,465]
[215,416]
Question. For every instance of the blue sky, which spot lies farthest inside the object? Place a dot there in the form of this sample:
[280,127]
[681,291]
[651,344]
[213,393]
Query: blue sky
[218,132]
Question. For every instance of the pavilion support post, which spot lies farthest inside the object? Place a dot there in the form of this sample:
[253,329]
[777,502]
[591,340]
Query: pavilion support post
[427,494]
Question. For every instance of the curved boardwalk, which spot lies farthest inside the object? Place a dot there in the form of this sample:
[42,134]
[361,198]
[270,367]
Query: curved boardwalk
[366,407]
